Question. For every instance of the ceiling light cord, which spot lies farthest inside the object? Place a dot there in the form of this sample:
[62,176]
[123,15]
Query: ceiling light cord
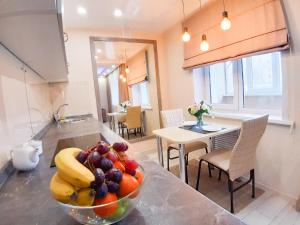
[183,10]
[185,35]
[225,23]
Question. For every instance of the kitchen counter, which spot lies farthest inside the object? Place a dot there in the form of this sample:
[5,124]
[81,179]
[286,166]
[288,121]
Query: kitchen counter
[25,198]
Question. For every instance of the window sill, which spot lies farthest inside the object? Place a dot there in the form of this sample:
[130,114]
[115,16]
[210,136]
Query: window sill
[147,107]
[237,116]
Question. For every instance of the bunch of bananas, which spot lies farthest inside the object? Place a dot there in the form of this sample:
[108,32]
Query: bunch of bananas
[71,183]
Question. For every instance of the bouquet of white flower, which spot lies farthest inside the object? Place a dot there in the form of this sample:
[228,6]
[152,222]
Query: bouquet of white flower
[125,104]
[198,110]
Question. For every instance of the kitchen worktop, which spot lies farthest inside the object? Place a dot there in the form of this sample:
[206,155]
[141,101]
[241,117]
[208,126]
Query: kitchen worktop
[25,198]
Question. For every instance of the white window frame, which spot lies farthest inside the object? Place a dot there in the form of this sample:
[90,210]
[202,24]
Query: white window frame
[238,103]
[140,100]
[218,106]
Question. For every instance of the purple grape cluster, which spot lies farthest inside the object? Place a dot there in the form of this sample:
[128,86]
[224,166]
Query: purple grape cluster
[101,191]
[113,187]
[102,149]
[99,176]
[82,156]
[114,175]
[120,146]
[100,159]
[105,164]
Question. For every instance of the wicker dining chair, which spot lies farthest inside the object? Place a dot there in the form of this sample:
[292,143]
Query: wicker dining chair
[175,117]
[240,160]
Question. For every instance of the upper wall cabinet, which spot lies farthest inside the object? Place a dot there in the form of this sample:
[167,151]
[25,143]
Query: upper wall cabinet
[32,30]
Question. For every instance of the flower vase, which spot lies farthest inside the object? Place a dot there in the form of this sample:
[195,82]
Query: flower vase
[200,120]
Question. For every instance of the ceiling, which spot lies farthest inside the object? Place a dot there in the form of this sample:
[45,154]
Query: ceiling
[153,16]
[112,54]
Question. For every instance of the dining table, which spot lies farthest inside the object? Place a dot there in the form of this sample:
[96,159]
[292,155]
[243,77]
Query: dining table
[113,117]
[182,135]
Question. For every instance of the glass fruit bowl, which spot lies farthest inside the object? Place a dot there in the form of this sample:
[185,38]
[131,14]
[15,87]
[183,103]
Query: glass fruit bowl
[106,214]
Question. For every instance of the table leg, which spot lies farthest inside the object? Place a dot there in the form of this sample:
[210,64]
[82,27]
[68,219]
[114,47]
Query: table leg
[160,151]
[182,167]
[114,124]
[110,122]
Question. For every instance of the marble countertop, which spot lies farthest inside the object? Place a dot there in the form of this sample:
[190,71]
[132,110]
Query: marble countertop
[25,198]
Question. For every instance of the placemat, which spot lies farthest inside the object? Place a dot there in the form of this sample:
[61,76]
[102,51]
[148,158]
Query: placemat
[82,142]
[197,129]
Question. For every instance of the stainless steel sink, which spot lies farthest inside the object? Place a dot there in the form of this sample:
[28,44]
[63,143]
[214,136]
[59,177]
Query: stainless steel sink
[75,119]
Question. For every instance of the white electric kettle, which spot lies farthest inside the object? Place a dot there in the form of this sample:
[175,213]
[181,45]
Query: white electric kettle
[24,157]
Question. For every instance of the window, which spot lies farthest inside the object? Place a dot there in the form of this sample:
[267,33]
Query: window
[221,83]
[249,85]
[262,81]
[113,81]
[140,94]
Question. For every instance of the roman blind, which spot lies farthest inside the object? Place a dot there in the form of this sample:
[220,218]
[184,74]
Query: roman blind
[123,88]
[258,26]
[138,68]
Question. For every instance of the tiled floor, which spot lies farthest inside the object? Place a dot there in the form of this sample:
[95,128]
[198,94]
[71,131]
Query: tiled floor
[268,208]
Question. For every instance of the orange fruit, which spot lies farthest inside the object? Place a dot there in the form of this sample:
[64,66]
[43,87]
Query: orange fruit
[119,166]
[128,184]
[108,210]
[139,176]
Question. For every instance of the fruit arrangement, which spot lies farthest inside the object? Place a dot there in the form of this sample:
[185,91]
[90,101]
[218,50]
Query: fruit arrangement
[99,175]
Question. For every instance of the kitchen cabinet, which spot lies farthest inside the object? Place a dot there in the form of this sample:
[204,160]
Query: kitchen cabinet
[32,30]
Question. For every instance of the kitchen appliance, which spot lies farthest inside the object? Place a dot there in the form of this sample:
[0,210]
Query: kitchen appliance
[37,145]
[24,157]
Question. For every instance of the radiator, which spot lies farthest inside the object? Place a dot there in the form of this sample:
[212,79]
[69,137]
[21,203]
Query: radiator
[224,141]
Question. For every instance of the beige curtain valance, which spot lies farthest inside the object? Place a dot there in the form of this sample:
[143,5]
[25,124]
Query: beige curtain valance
[138,68]
[258,26]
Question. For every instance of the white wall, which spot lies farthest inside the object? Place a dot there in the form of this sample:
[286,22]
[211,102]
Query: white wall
[278,154]
[103,82]
[79,92]
[25,106]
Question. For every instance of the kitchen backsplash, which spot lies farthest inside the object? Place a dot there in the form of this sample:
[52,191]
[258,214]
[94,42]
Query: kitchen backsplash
[25,104]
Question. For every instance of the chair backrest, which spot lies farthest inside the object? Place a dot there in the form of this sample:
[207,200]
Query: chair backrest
[133,117]
[172,118]
[244,151]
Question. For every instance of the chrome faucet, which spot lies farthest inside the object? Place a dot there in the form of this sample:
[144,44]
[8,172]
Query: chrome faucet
[56,115]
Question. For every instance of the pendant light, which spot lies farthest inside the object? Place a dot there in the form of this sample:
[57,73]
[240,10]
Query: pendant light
[204,46]
[225,23]
[186,37]
[127,68]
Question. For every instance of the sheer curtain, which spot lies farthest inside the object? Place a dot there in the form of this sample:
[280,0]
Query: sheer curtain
[140,94]
[113,82]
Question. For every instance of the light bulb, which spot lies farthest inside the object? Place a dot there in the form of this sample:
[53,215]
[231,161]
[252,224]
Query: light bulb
[124,79]
[127,70]
[186,37]
[225,23]
[121,76]
[204,46]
